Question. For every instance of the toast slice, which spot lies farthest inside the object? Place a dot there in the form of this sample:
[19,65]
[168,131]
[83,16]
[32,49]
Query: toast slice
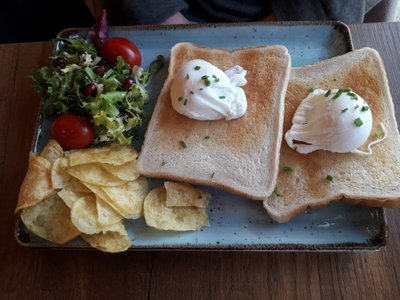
[242,155]
[371,180]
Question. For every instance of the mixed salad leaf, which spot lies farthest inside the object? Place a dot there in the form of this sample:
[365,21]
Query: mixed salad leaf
[79,81]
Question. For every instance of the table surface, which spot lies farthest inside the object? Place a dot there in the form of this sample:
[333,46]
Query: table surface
[61,274]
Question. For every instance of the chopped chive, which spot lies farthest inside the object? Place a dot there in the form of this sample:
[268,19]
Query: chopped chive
[347,90]
[197,68]
[364,108]
[329,178]
[185,102]
[163,163]
[378,133]
[212,175]
[180,99]
[277,192]
[311,90]
[201,89]
[344,110]
[187,76]
[215,78]
[353,96]
[338,93]
[358,122]
[183,144]
[207,82]
[191,92]
[221,97]
[287,169]
[357,106]
[328,93]
[206,137]
[334,79]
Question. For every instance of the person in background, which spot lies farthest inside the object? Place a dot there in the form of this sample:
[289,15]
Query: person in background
[25,21]
[184,12]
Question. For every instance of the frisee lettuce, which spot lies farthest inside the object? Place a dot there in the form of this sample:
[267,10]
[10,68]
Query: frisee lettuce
[113,112]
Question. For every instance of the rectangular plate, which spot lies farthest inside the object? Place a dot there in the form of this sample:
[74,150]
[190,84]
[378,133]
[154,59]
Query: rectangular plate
[237,223]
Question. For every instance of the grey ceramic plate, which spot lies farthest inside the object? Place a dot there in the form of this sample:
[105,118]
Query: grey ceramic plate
[236,223]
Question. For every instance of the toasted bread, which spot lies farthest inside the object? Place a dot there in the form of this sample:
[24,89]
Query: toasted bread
[242,155]
[371,180]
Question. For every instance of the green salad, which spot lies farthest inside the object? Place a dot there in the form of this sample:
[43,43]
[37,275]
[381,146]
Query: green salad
[110,96]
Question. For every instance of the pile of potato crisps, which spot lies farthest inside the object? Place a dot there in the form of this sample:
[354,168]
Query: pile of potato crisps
[90,192]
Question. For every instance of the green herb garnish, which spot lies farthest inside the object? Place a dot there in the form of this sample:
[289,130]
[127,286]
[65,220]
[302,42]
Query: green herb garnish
[358,122]
[163,163]
[215,78]
[180,98]
[277,192]
[364,108]
[338,93]
[207,82]
[311,90]
[221,97]
[185,102]
[329,178]
[187,76]
[378,133]
[357,106]
[212,175]
[287,169]
[344,110]
[328,93]
[353,96]
[207,137]
[183,144]
[197,68]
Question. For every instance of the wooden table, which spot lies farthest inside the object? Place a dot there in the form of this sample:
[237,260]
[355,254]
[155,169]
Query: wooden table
[56,274]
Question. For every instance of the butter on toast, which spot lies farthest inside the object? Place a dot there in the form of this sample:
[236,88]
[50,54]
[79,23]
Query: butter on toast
[242,155]
[371,180]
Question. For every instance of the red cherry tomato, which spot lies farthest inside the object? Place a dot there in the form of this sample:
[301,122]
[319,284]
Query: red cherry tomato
[72,132]
[119,46]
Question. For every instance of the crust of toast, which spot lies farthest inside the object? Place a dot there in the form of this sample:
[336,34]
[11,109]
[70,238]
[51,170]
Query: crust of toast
[242,155]
[370,180]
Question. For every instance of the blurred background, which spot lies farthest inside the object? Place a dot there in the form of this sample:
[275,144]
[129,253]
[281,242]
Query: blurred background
[25,21]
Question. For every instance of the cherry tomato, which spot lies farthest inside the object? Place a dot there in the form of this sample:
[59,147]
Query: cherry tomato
[72,132]
[119,46]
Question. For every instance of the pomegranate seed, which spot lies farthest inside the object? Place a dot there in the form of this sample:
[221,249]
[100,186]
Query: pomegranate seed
[100,70]
[90,90]
[59,61]
[126,85]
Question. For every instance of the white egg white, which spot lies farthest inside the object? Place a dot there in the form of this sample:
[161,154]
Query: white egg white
[202,91]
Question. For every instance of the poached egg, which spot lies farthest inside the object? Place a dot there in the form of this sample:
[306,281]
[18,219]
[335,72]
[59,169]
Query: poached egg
[336,120]
[202,91]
